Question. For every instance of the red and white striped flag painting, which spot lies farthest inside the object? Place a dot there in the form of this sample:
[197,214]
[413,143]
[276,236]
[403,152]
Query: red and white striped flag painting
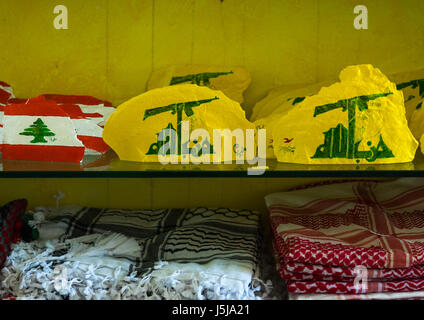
[87,104]
[88,115]
[40,130]
[10,101]
[6,93]
[1,124]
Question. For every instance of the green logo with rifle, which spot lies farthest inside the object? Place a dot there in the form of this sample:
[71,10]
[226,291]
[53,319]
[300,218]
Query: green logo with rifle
[177,108]
[296,100]
[339,142]
[414,84]
[38,130]
[199,78]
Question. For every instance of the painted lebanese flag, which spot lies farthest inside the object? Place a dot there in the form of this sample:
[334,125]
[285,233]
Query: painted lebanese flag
[40,130]
[6,92]
[88,131]
[1,123]
[87,104]
[10,101]
[88,115]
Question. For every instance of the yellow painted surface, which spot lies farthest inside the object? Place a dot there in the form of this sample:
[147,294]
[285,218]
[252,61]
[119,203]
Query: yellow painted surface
[239,193]
[111,46]
[129,31]
[35,58]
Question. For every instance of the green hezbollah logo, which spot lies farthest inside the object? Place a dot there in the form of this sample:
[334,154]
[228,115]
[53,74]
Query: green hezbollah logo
[414,84]
[199,78]
[176,108]
[339,142]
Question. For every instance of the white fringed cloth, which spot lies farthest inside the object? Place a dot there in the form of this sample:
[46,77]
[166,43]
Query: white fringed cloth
[87,253]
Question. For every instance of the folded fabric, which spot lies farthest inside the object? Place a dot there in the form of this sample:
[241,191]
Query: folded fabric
[416,295]
[370,224]
[86,266]
[97,267]
[10,225]
[197,253]
[328,281]
[309,272]
[302,272]
[198,235]
[334,287]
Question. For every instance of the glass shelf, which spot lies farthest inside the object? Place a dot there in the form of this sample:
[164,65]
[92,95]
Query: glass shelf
[109,166]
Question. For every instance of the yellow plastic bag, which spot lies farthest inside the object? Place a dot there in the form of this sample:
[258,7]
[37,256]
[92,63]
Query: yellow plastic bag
[133,131]
[285,97]
[358,120]
[412,86]
[281,103]
[232,81]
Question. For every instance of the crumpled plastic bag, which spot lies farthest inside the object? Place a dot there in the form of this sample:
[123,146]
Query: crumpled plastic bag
[276,105]
[412,86]
[133,130]
[358,120]
[284,98]
[232,81]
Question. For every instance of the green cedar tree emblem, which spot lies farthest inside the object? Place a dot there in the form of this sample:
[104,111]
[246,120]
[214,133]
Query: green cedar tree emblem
[38,130]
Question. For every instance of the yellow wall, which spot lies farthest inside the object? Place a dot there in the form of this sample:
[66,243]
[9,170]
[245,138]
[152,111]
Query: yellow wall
[244,193]
[112,45]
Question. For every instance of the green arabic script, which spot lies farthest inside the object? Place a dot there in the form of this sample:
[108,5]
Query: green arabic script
[339,142]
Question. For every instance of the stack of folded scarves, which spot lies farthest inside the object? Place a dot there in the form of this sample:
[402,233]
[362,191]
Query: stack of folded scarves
[199,253]
[351,240]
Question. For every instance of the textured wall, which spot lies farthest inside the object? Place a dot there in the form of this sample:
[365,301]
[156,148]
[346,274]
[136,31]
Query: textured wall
[149,193]
[111,46]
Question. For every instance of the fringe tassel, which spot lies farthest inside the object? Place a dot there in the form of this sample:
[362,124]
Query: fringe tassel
[36,271]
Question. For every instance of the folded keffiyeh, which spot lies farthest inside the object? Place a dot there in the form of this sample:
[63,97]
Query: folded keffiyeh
[323,233]
[418,295]
[376,225]
[304,272]
[197,253]
[335,287]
